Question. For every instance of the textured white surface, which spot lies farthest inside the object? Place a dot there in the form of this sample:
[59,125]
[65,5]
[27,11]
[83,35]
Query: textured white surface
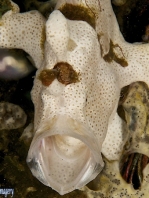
[111,185]
[23,31]
[61,109]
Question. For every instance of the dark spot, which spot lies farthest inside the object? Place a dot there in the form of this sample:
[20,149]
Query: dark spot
[66,74]
[145,139]
[112,56]
[116,181]
[62,71]
[42,39]
[78,12]
[47,76]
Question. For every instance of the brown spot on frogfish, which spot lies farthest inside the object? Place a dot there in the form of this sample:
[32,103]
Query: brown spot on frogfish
[62,71]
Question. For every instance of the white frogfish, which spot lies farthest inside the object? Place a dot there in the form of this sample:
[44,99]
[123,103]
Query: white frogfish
[76,92]
[70,119]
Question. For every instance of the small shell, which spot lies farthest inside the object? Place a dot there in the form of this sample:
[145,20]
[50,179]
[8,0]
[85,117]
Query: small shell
[14,64]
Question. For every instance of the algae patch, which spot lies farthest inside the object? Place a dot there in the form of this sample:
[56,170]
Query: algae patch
[115,54]
[64,73]
[5,6]
[75,12]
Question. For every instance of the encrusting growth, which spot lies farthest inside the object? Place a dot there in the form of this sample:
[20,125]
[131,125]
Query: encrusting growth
[62,71]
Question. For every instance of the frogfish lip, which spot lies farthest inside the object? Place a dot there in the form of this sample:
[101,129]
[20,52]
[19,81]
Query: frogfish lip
[66,156]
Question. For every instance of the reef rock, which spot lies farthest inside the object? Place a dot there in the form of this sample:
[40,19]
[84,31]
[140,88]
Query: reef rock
[109,184]
[11,116]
